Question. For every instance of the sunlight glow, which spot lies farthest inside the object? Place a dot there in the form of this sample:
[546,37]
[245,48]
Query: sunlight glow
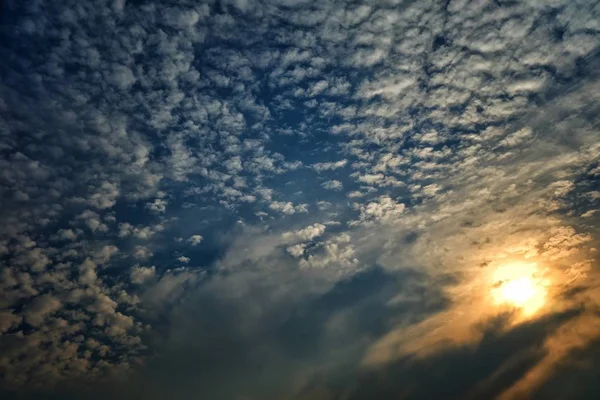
[516,285]
[518,291]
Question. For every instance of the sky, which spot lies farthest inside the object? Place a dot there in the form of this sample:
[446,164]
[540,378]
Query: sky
[299,200]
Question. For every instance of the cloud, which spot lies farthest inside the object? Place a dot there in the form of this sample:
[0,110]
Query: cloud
[334,252]
[296,250]
[8,320]
[34,259]
[169,286]
[121,76]
[288,208]
[333,185]
[195,240]
[105,196]
[158,206]
[588,213]
[140,275]
[66,234]
[141,232]
[92,221]
[40,308]
[305,234]
[142,253]
[384,209]
[431,155]
[328,166]
[87,273]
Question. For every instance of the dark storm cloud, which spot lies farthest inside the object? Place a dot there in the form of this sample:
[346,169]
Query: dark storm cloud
[224,349]
[470,372]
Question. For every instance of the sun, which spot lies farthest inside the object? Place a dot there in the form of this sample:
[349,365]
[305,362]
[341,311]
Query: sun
[516,285]
[518,291]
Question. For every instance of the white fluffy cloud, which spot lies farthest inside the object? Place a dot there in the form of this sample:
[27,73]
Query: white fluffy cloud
[288,207]
[304,234]
[333,185]
[384,210]
[140,275]
[327,166]
[195,240]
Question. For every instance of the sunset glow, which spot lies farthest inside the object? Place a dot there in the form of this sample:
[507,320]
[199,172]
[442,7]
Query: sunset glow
[516,285]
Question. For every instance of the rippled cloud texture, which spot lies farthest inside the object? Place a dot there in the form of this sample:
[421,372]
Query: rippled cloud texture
[321,200]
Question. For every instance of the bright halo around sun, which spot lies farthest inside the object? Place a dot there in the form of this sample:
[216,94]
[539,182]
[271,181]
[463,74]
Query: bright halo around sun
[518,285]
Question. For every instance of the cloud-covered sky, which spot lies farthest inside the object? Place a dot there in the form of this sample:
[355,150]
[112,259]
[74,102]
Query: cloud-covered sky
[256,199]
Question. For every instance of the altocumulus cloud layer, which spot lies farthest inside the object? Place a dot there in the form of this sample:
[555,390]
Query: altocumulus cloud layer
[305,199]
